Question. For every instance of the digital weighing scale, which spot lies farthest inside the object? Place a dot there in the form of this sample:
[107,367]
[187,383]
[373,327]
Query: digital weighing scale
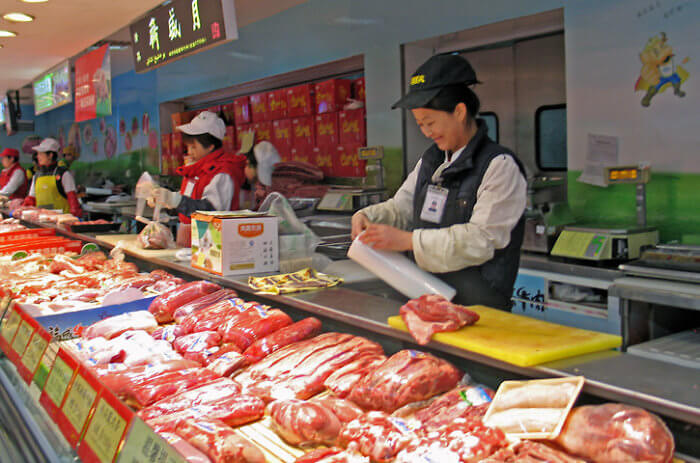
[349,200]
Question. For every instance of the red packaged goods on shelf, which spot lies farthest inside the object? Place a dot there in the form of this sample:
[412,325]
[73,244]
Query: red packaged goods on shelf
[241,109]
[246,328]
[331,95]
[226,361]
[192,346]
[407,376]
[177,151]
[346,163]
[302,423]
[228,114]
[323,159]
[229,142]
[119,377]
[277,104]
[352,127]
[299,101]
[431,313]
[166,384]
[303,154]
[376,435]
[184,448]
[326,129]
[616,433]
[458,442]
[259,108]
[212,316]
[181,118]
[114,326]
[240,130]
[219,442]
[263,131]
[303,133]
[163,307]
[282,135]
[299,331]
[214,109]
[165,152]
[201,303]
[358,89]
[341,381]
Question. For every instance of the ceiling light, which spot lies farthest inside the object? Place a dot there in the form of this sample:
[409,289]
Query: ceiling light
[7,34]
[18,17]
[35,1]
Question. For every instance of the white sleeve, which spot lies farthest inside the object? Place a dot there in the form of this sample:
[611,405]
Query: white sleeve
[18,177]
[397,211]
[219,192]
[68,182]
[500,202]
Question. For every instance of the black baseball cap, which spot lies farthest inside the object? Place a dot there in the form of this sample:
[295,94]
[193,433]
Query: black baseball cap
[438,72]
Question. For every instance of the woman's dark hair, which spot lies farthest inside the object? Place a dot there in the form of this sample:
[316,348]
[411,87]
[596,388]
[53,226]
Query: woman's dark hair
[55,155]
[204,139]
[250,156]
[452,95]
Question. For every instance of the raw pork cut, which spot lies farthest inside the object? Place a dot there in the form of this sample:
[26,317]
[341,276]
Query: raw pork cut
[616,433]
[114,326]
[194,346]
[376,435]
[212,317]
[302,423]
[431,313]
[118,377]
[253,324]
[407,376]
[219,442]
[345,410]
[186,451]
[341,381]
[225,360]
[165,305]
[232,411]
[528,451]
[149,391]
[202,303]
[167,333]
[331,455]
[299,331]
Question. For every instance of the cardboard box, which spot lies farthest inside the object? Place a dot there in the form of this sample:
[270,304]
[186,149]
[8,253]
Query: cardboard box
[228,113]
[352,127]
[181,118]
[323,159]
[177,153]
[228,243]
[327,129]
[300,101]
[282,135]
[229,144]
[358,89]
[302,154]
[258,107]
[303,133]
[331,95]
[241,110]
[263,131]
[346,163]
[239,131]
[277,105]
[165,153]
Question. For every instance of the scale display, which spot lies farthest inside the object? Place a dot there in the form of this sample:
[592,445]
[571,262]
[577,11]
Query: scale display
[626,174]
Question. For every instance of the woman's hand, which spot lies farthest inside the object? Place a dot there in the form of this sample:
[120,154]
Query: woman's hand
[387,238]
[359,223]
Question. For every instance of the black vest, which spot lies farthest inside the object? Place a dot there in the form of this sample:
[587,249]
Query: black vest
[491,283]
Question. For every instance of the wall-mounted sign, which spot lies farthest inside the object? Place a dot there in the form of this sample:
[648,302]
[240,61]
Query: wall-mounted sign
[181,28]
[52,89]
[93,85]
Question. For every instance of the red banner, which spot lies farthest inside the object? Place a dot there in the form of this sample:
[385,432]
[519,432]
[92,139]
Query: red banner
[93,85]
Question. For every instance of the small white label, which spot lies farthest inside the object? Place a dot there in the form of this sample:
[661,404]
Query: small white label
[434,204]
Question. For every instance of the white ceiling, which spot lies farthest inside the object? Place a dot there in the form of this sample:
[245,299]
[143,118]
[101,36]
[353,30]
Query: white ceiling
[65,28]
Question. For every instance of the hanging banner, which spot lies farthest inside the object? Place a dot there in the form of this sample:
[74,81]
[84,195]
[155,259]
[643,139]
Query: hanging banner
[93,85]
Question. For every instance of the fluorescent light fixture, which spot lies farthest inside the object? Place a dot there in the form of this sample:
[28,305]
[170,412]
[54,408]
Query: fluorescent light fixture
[18,17]
[35,1]
[7,34]
[348,21]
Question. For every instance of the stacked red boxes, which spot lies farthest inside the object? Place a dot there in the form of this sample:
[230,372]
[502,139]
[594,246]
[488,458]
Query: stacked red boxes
[358,89]
[331,95]
[282,132]
[303,133]
[240,129]
[303,154]
[263,131]
[165,154]
[300,101]
[228,113]
[182,118]
[327,129]
[177,151]
[241,111]
[323,159]
[346,163]
[277,105]
[259,110]
[229,142]
[352,127]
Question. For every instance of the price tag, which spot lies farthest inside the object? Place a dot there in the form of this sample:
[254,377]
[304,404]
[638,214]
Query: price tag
[105,430]
[143,445]
[76,408]
[10,325]
[24,334]
[34,353]
[60,376]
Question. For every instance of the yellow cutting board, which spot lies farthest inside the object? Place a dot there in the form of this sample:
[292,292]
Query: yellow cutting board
[129,244]
[521,340]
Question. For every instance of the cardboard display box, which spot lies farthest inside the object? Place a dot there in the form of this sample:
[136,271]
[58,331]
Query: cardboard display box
[277,104]
[300,101]
[259,110]
[282,136]
[352,127]
[303,133]
[331,95]
[346,163]
[327,129]
[263,131]
[241,110]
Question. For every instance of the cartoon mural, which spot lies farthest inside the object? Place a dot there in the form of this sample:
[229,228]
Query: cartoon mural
[659,71]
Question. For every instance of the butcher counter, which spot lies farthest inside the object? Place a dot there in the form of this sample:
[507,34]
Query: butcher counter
[363,304]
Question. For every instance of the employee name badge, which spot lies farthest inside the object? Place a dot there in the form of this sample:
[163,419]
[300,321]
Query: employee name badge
[189,188]
[434,204]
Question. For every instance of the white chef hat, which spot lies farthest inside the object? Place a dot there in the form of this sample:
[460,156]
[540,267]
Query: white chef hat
[266,156]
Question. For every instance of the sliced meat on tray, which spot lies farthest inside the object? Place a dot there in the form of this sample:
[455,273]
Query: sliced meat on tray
[166,384]
[202,302]
[253,324]
[377,436]
[341,381]
[431,313]
[219,442]
[299,331]
[407,376]
[163,307]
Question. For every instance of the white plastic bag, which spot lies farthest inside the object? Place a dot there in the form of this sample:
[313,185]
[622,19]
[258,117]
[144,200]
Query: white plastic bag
[289,224]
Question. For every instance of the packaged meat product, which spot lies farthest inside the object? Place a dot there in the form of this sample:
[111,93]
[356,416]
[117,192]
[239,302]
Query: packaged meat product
[377,436]
[344,379]
[192,346]
[212,317]
[616,433]
[455,444]
[432,313]
[303,423]
[407,376]
[186,451]
[165,305]
[226,361]
[149,391]
[202,302]
[167,333]
[331,455]
[163,286]
[155,235]
[114,326]
[219,442]
[253,324]
[118,377]
[299,331]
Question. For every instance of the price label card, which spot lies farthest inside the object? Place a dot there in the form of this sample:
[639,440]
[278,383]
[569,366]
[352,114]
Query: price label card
[104,432]
[56,384]
[143,445]
[76,408]
[34,353]
[24,334]
[10,325]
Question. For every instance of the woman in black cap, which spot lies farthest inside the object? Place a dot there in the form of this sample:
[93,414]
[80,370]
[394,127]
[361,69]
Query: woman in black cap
[460,211]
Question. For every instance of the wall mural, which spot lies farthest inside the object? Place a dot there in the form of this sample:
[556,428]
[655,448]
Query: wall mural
[659,71]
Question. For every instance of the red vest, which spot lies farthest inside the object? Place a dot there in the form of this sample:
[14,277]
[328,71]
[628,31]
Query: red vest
[5,177]
[203,171]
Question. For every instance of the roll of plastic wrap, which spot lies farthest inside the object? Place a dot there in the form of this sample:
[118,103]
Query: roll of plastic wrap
[399,272]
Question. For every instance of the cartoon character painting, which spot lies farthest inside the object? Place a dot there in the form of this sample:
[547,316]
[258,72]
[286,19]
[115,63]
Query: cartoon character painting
[659,70]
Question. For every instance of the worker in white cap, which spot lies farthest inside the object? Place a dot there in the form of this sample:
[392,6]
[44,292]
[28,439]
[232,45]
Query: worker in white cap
[53,186]
[211,178]
[260,162]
